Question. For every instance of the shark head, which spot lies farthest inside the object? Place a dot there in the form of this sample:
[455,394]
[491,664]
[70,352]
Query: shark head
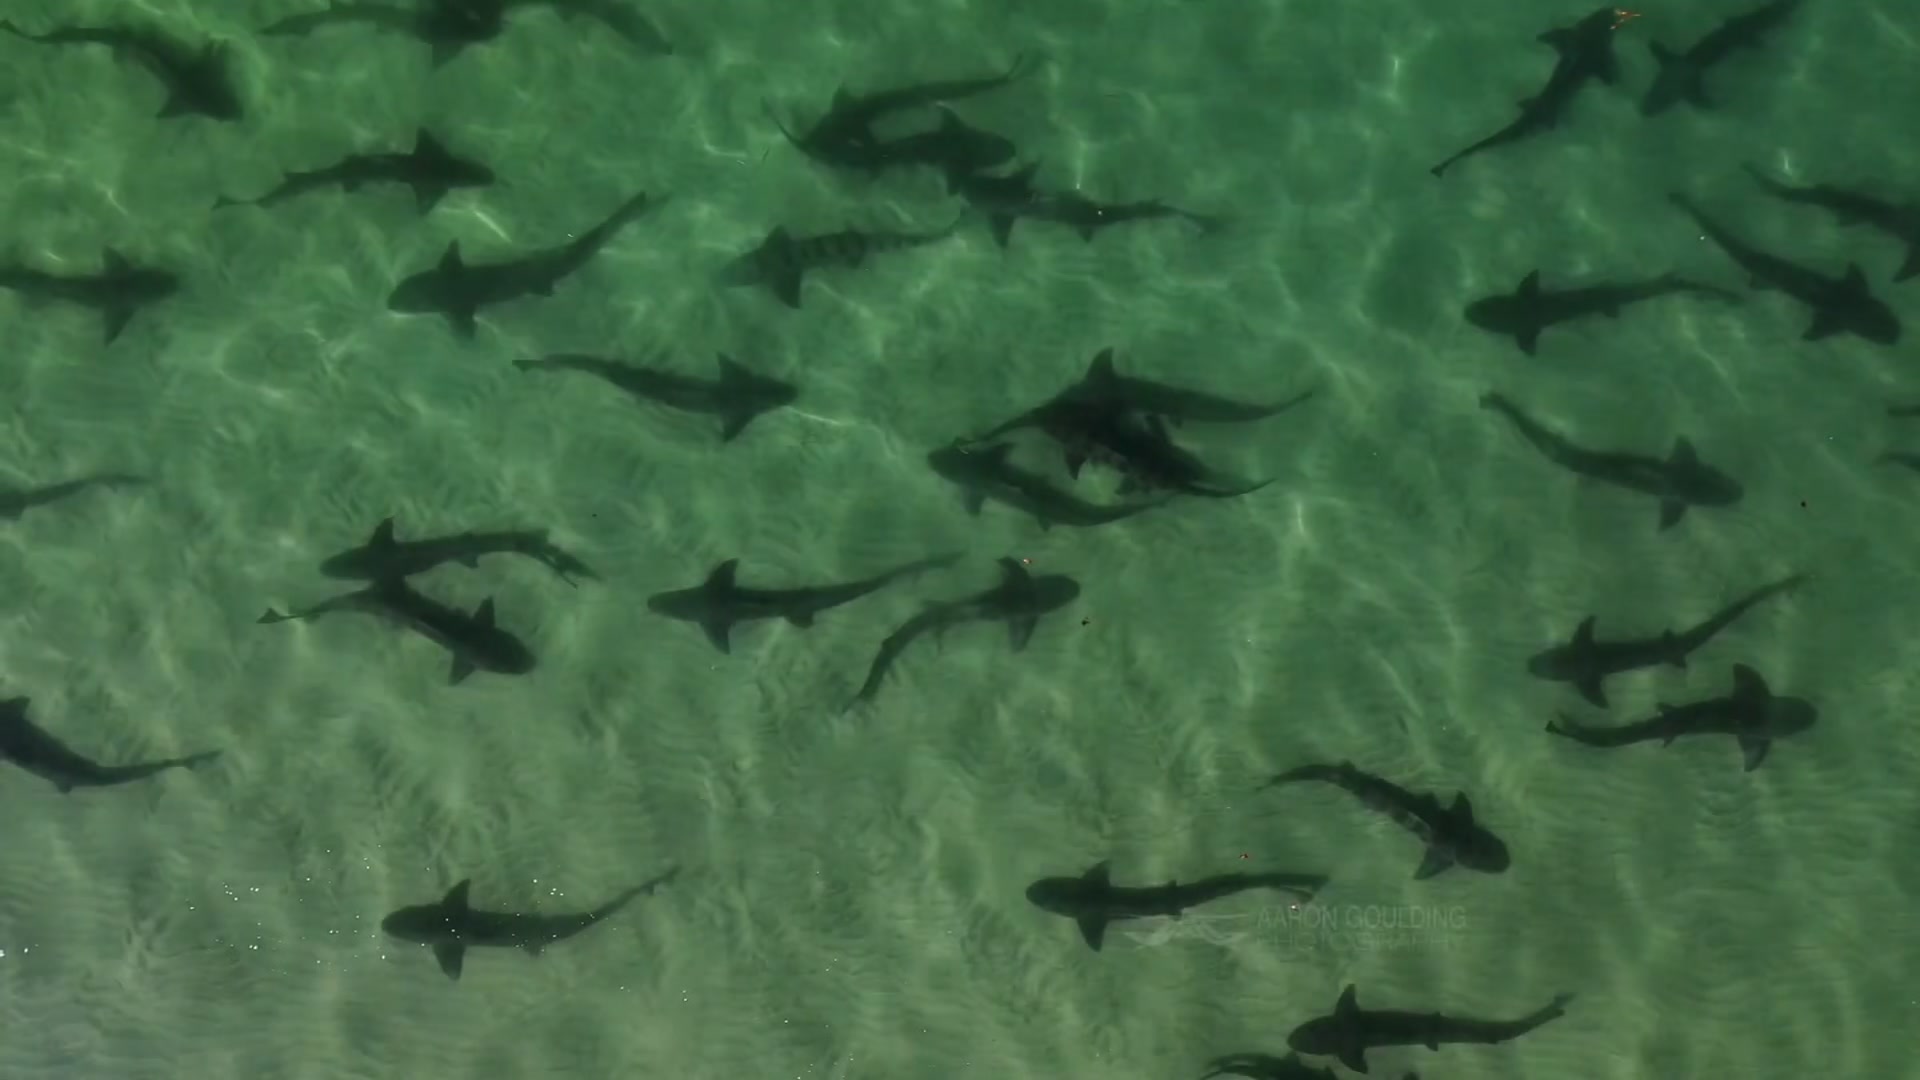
[1059,895]
[1700,483]
[1500,314]
[429,290]
[966,463]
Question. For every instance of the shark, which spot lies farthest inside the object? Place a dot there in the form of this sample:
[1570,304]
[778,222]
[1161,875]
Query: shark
[196,77]
[953,146]
[384,558]
[1019,600]
[430,169]
[1586,55]
[1682,75]
[1523,313]
[1680,481]
[1898,220]
[737,397]
[476,641]
[1350,1031]
[1840,305]
[1103,386]
[720,602]
[448,27]
[986,472]
[39,752]
[1141,449]
[1750,713]
[1267,1067]
[452,925]
[457,289]
[1586,662]
[1451,833]
[1093,901]
[118,292]
[1006,200]
[844,137]
[782,259]
[17,501]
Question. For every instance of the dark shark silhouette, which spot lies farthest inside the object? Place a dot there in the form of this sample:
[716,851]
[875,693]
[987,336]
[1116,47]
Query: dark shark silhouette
[627,22]
[1586,53]
[1006,200]
[17,501]
[782,259]
[1452,836]
[117,292]
[452,925]
[457,289]
[1840,305]
[1529,309]
[719,603]
[987,472]
[196,78]
[37,751]
[737,397]
[953,146]
[1107,388]
[1267,1067]
[1751,714]
[447,26]
[1019,601]
[475,641]
[1093,901]
[1586,663]
[1351,1031]
[1679,482]
[383,558]
[1139,448]
[1900,221]
[1682,75]
[844,137]
[430,169]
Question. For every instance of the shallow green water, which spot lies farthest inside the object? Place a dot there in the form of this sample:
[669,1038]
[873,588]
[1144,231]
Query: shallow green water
[850,902]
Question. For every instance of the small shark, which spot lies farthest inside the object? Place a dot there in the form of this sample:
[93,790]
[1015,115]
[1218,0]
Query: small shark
[1452,836]
[1902,222]
[430,169]
[383,558]
[1585,663]
[37,751]
[985,472]
[1679,482]
[196,78]
[1530,309]
[477,644]
[458,290]
[451,925]
[1005,200]
[1586,53]
[844,136]
[17,501]
[117,292]
[737,397]
[718,603]
[1840,305]
[1092,900]
[1267,1067]
[1351,1031]
[1108,388]
[1019,601]
[447,26]
[1682,75]
[782,259]
[1751,714]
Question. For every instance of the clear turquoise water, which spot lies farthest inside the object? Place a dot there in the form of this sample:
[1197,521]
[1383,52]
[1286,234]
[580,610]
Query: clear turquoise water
[850,903]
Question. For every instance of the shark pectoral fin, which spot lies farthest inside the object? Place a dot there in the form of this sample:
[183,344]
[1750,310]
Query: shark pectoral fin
[1911,267]
[175,105]
[1436,860]
[1354,1056]
[1671,511]
[1093,930]
[1753,750]
[1697,94]
[115,319]
[1591,689]
[786,285]
[1001,225]
[428,196]
[457,674]
[463,321]
[802,619]
[1528,340]
[1013,573]
[972,501]
[63,787]
[1676,654]
[1856,279]
[1076,459]
[471,562]
[1021,631]
[1561,39]
[1086,233]
[719,631]
[534,948]
[450,260]
[452,957]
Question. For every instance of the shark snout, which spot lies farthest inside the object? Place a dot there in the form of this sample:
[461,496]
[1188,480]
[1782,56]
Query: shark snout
[1050,894]
[1545,665]
[1490,314]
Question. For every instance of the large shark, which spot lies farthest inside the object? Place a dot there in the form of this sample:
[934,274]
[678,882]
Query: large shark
[1453,837]
[1682,75]
[845,137]
[1093,901]
[196,77]
[1351,1031]
[719,603]
[36,750]
[430,169]
[384,558]
[986,472]
[1752,714]
[452,925]
[476,641]
[1523,313]
[1586,53]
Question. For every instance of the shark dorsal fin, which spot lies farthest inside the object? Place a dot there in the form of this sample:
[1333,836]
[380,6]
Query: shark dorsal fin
[1683,453]
[731,371]
[1461,808]
[1101,369]
[1583,634]
[1529,285]
[425,145]
[115,262]
[1099,873]
[778,239]
[382,535]
[949,120]
[722,576]
[457,896]
[451,260]
[1748,685]
[14,709]
[1348,1005]
[1012,573]
[484,613]
[1856,279]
